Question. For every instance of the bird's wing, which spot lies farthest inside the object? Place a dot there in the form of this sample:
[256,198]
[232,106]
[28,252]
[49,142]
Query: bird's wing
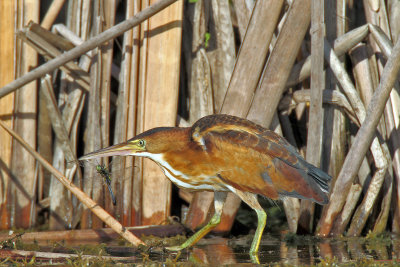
[251,158]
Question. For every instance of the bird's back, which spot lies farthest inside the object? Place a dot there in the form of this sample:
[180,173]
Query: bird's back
[251,158]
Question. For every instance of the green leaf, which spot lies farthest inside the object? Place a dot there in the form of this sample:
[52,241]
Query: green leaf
[207,37]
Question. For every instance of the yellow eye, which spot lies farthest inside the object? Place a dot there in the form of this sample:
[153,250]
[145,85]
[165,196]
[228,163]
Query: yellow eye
[141,143]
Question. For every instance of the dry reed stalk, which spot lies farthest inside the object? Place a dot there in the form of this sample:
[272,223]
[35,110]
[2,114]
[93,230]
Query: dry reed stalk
[365,85]
[93,186]
[292,211]
[341,222]
[52,13]
[316,114]
[160,102]
[387,190]
[290,205]
[394,21]
[280,62]
[60,129]
[222,58]
[23,189]
[335,133]
[329,97]
[64,213]
[362,72]
[277,70]
[337,199]
[133,190]
[51,37]
[287,129]
[88,202]
[198,213]
[78,21]
[65,32]
[105,12]
[71,115]
[7,66]
[48,51]
[392,111]
[57,121]
[137,194]
[44,147]
[198,67]
[341,45]
[85,60]
[362,142]
[381,40]
[60,126]
[377,17]
[351,93]
[201,102]
[125,126]
[383,43]
[243,10]
[343,219]
[241,85]
[85,47]
[209,81]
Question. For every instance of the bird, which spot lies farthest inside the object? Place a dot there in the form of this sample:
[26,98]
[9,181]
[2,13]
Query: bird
[224,153]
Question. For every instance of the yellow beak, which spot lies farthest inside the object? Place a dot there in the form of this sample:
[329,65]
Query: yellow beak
[122,149]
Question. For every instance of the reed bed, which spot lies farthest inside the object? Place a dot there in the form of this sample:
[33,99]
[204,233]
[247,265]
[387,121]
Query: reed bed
[80,75]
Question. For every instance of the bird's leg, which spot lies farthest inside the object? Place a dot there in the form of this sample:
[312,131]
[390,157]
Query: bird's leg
[251,200]
[219,201]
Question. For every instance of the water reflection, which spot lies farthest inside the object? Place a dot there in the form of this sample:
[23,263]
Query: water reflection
[302,251]
[217,251]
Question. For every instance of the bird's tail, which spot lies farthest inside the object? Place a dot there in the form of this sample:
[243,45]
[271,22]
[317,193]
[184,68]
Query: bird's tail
[321,178]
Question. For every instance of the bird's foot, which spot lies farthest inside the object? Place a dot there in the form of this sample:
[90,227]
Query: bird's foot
[254,258]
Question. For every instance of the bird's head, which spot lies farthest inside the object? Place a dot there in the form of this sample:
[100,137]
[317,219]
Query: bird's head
[155,141]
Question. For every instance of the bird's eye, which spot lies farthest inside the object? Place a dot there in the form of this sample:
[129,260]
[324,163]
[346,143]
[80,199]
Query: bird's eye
[141,143]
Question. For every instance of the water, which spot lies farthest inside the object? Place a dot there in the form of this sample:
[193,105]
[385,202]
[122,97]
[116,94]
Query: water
[218,251]
[299,250]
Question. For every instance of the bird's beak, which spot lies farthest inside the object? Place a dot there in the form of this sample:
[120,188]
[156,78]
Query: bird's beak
[122,149]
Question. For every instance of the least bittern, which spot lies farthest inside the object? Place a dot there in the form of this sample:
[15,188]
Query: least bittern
[223,153]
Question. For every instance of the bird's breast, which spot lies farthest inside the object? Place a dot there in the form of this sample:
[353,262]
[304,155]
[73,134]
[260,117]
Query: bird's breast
[188,174]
